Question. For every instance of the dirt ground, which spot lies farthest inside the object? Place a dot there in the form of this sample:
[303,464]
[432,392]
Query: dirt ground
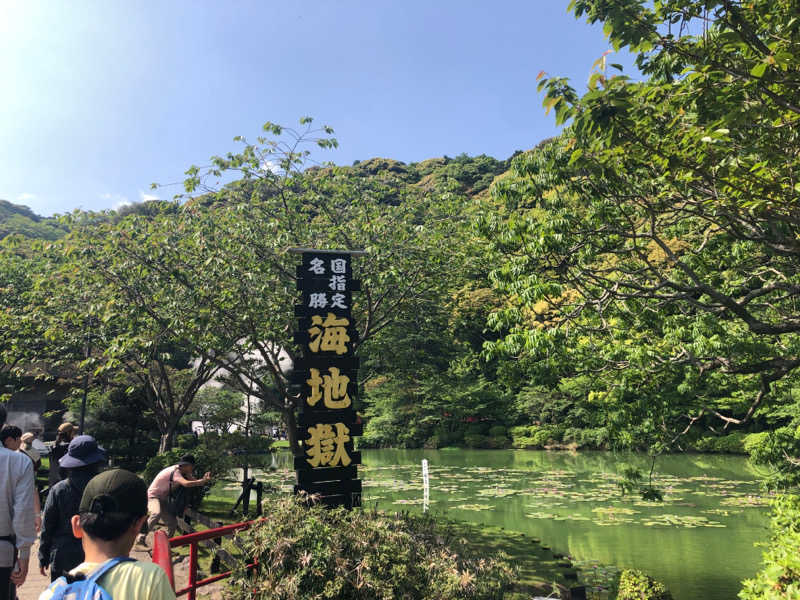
[35,583]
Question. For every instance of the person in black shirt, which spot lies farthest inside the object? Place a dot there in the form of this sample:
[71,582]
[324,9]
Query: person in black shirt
[59,550]
[63,438]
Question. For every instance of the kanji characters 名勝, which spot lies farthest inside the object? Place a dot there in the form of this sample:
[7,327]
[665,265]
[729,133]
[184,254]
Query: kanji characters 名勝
[326,446]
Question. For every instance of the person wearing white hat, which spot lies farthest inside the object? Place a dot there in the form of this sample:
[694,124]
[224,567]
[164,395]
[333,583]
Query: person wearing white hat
[27,448]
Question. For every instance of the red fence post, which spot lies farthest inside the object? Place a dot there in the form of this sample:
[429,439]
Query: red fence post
[193,571]
[162,548]
[162,555]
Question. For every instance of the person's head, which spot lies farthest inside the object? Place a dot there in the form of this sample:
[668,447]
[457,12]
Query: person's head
[65,433]
[27,440]
[11,437]
[186,465]
[111,513]
[83,451]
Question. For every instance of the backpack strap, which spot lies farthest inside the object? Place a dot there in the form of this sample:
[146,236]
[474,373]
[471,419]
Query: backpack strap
[107,566]
[61,586]
[171,479]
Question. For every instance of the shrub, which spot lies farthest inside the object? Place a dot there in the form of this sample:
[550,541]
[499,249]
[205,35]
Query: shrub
[497,442]
[185,440]
[522,442]
[497,431]
[586,438]
[321,553]
[474,440]
[446,437]
[635,585]
[476,429]
[432,443]
[753,441]
[732,443]
[545,435]
[780,574]
[519,432]
[535,436]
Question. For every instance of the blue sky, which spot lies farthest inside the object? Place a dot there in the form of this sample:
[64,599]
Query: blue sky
[102,98]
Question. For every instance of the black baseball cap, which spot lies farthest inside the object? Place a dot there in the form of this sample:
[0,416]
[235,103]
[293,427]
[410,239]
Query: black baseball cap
[186,459]
[118,492]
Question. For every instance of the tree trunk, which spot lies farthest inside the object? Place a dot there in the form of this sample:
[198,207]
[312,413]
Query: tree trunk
[167,440]
[291,431]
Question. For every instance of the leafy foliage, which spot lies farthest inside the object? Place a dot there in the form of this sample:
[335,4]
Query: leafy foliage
[313,552]
[780,575]
[635,585]
[653,245]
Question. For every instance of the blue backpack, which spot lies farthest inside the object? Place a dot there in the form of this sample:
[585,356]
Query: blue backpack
[67,588]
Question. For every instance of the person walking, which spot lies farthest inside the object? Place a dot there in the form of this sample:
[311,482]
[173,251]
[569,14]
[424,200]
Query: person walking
[59,550]
[63,438]
[165,496]
[11,438]
[17,531]
[27,448]
[112,510]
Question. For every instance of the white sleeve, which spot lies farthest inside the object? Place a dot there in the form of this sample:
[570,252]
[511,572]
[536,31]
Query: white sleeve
[24,489]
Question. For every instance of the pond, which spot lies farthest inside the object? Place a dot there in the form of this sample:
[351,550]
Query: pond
[699,541]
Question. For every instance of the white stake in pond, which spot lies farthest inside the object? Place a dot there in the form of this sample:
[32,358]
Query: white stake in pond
[426,486]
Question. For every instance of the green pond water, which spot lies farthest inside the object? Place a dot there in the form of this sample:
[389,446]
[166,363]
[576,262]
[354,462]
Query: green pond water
[699,541]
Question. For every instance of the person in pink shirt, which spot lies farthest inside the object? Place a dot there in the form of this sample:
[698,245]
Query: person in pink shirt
[165,494]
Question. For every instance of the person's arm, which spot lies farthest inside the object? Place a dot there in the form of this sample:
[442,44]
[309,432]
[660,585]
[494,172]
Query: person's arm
[190,483]
[37,508]
[49,526]
[24,490]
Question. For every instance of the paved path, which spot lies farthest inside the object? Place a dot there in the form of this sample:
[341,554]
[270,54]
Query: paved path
[35,583]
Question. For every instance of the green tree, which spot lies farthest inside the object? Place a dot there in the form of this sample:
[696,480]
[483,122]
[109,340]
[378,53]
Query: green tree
[656,241]
[214,270]
[92,329]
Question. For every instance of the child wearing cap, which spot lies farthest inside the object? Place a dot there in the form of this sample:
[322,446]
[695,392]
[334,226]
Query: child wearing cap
[112,510]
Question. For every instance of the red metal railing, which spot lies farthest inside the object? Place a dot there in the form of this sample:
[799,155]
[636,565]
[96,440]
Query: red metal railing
[162,555]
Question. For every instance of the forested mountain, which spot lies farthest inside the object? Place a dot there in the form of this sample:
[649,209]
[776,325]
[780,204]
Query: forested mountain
[410,216]
[16,218]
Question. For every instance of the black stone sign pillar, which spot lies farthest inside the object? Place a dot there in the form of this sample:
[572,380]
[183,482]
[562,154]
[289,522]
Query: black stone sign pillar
[327,376]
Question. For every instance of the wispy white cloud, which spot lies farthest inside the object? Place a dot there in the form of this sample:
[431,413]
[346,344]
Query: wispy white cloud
[26,197]
[118,200]
[145,197]
[269,165]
